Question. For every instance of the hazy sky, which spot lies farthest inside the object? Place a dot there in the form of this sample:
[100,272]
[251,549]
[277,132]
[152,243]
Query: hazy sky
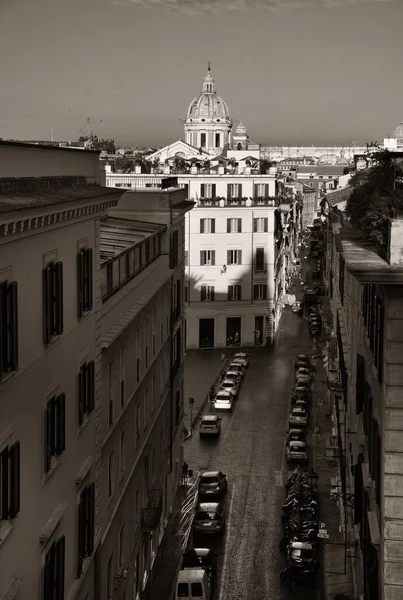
[294,71]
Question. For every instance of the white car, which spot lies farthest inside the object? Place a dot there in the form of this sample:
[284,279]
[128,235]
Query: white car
[234,376]
[240,361]
[296,450]
[242,356]
[299,417]
[210,425]
[303,379]
[231,386]
[223,400]
[237,367]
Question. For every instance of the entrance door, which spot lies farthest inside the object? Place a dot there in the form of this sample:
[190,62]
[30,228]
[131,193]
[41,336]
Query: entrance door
[233,331]
[259,331]
[206,333]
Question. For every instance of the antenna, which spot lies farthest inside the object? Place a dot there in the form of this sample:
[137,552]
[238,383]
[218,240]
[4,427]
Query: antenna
[51,133]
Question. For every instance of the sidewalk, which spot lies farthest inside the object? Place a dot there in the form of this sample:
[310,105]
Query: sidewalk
[336,568]
[202,370]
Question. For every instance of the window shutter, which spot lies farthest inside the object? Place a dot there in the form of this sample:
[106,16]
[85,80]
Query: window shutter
[255,292]
[212,293]
[91,518]
[47,303]
[239,190]
[13,304]
[266,190]
[230,292]
[14,508]
[81,531]
[266,224]
[255,190]
[46,433]
[59,297]
[60,423]
[213,257]
[239,257]
[202,188]
[4,483]
[228,191]
[228,225]
[228,257]
[80,283]
[203,293]
[254,225]
[239,288]
[81,396]
[265,291]
[202,257]
[90,278]
[90,386]
[213,190]
[239,225]
[201,225]
[212,225]
[59,582]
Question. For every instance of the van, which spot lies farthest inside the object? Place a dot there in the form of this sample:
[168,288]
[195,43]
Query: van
[193,584]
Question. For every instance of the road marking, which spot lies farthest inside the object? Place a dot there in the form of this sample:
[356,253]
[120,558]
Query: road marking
[221,594]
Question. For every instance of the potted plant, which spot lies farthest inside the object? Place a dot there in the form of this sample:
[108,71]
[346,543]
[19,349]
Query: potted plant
[122,164]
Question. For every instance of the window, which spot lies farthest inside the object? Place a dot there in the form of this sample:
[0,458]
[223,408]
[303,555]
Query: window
[207,257]
[203,140]
[234,257]
[261,190]
[109,582]
[153,325]
[138,365]
[208,190]
[111,460]
[137,425]
[84,281]
[154,392]
[55,429]
[162,313]
[260,225]
[174,256]
[207,225]
[207,293]
[53,575]
[260,291]
[122,455]
[86,394]
[196,589]
[186,293]
[234,190]
[85,525]
[111,366]
[10,482]
[259,259]
[145,407]
[217,140]
[234,292]
[121,548]
[8,328]
[147,335]
[52,301]
[162,376]
[234,225]
[122,376]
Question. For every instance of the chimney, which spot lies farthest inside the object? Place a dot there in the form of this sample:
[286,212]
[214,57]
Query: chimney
[247,170]
[395,249]
[193,169]
[221,169]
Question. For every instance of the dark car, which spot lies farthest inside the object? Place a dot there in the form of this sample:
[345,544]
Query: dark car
[212,483]
[302,360]
[200,558]
[209,518]
[297,435]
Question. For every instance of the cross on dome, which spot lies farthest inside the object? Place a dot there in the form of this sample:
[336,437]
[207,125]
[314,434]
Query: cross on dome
[208,81]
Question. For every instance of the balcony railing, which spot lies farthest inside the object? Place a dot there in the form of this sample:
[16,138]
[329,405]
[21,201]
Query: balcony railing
[150,516]
[209,201]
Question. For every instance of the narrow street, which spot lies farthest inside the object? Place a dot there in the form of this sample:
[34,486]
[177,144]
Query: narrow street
[251,452]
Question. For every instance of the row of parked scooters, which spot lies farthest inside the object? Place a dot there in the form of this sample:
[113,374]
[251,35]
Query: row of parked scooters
[300,523]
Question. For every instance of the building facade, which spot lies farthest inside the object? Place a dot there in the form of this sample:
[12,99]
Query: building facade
[142,332]
[366,386]
[51,204]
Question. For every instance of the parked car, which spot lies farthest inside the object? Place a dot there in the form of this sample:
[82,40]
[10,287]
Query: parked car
[209,518]
[238,368]
[242,356]
[296,435]
[231,386]
[299,417]
[223,400]
[240,361]
[204,558]
[302,389]
[303,379]
[233,376]
[194,583]
[304,371]
[296,450]
[212,483]
[210,425]
[302,360]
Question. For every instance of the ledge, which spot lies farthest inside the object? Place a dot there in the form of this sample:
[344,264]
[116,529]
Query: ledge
[12,589]
[84,470]
[52,523]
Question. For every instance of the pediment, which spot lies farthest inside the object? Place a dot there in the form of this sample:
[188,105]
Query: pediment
[186,150]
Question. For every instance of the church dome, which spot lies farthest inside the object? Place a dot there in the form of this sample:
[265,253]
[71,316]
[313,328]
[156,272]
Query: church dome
[398,132]
[240,129]
[208,106]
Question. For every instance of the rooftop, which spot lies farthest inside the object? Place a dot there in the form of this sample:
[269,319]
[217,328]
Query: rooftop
[117,235]
[322,169]
[45,146]
[337,196]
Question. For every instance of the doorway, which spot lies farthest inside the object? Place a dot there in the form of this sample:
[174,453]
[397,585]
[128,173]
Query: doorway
[206,333]
[259,331]
[233,331]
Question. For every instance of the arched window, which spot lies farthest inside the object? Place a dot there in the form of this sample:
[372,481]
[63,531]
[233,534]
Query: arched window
[239,147]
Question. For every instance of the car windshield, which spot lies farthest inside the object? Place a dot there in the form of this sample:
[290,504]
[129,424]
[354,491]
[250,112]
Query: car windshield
[302,553]
[222,398]
[235,367]
[210,419]
[297,445]
[227,384]
[209,480]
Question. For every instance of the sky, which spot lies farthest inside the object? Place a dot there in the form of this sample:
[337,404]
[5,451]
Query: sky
[294,71]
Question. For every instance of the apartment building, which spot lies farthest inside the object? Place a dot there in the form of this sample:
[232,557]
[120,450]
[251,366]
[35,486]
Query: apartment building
[141,412]
[365,375]
[51,205]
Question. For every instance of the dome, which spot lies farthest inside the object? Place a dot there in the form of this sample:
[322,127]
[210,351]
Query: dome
[240,129]
[398,132]
[208,106]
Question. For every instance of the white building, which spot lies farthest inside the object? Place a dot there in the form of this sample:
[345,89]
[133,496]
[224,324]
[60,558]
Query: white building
[395,142]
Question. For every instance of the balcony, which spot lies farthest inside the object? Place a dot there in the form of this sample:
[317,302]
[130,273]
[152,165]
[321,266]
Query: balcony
[265,201]
[209,202]
[150,516]
[236,201]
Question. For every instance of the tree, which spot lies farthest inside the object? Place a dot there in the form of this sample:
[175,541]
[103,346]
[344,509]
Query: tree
[264,166]
[377,191]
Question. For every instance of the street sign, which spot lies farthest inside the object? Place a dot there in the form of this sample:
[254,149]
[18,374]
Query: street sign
[323,535]
[322,531]
[322,525]
[316,429]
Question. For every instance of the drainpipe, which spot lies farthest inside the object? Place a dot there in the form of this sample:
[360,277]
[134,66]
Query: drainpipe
[171,343]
